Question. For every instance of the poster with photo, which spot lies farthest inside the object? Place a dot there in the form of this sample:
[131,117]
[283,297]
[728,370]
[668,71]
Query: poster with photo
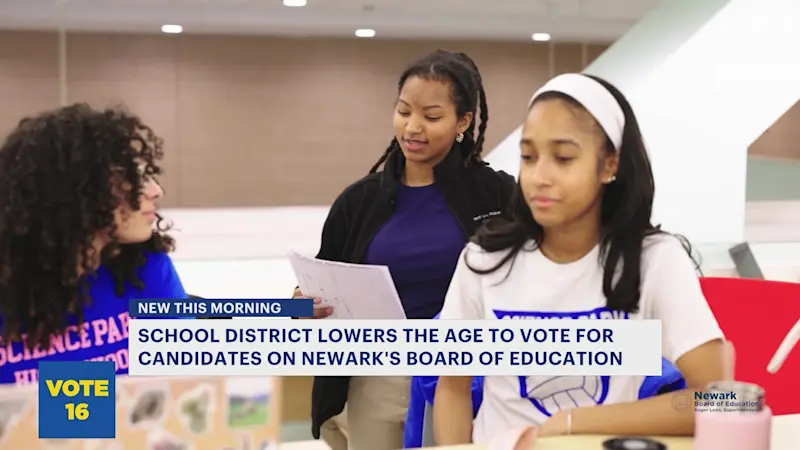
[202,413]
[248,402]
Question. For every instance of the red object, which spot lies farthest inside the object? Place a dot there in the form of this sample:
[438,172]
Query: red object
[755,316]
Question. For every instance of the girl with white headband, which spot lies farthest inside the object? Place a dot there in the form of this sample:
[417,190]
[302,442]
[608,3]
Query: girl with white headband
[580,245]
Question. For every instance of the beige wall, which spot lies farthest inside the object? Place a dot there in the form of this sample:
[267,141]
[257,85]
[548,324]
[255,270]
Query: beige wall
[254,121]
[260,121]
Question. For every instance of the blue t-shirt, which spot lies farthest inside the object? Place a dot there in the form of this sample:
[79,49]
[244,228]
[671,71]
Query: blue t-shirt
[420,244]
[104,333]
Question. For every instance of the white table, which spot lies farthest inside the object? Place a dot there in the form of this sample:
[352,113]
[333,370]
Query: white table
[785,436]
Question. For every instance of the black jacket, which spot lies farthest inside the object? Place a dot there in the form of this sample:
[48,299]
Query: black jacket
[474,192]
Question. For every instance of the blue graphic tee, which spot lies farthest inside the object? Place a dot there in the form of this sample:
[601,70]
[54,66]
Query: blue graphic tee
[104,333]
[552,394]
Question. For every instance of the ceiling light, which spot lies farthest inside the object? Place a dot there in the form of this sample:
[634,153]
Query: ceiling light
[172,29]
[540,37]
[295,3]
[365,33]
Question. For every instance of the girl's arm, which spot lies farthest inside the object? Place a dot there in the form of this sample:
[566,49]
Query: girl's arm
[664,415]
[452,403]
[452,411]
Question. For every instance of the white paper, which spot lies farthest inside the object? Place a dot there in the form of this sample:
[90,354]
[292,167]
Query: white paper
[355,291]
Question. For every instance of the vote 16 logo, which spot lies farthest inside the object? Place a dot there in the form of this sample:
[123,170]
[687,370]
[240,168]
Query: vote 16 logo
[77,400]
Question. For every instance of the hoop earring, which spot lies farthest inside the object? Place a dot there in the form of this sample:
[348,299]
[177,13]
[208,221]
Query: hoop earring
[459,137]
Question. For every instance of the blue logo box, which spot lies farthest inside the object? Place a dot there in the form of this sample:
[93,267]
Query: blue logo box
[77,400]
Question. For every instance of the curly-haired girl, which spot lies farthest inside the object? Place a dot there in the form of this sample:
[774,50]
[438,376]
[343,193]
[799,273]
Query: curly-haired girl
[79,237]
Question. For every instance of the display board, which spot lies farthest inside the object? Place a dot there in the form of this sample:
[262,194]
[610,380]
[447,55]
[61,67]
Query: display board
[204,413]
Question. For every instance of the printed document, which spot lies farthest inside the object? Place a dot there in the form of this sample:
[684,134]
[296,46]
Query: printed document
[355,291]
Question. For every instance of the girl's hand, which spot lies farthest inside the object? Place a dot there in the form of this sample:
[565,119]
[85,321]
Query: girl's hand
[320,311]
[557,425]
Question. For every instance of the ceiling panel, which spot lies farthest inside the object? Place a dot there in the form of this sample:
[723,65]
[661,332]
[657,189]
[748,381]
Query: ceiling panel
[565,20]
[618,9]
[453,7]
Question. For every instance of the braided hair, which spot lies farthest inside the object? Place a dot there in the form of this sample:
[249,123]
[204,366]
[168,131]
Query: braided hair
[467,93]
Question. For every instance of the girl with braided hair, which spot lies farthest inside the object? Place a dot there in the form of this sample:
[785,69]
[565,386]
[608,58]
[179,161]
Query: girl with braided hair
[79,237]
[414,216]
[462,78]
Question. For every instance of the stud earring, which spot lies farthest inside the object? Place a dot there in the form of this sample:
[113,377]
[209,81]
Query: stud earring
[612,179]
[459,137]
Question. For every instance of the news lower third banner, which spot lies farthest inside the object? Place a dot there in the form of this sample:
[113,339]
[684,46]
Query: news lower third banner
[220,308]
[167,347]
[77,400]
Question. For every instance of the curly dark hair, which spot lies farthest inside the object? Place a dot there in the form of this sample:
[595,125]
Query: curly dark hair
[466,91]
[63,174]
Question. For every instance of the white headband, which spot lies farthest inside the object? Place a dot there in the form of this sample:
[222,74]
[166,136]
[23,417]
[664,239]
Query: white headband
[594,97]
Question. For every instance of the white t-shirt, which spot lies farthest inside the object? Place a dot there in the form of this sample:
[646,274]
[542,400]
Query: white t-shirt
[536,288]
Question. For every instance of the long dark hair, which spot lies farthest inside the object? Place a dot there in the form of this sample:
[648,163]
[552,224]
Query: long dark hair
[625,211]
[466,92]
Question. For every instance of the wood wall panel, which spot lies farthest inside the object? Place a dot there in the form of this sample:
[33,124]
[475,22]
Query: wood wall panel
[782,139]
[138,74]
[28,75]
[257,121]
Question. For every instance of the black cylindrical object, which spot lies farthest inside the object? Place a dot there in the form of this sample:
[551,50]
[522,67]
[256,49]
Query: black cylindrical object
[633,443]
